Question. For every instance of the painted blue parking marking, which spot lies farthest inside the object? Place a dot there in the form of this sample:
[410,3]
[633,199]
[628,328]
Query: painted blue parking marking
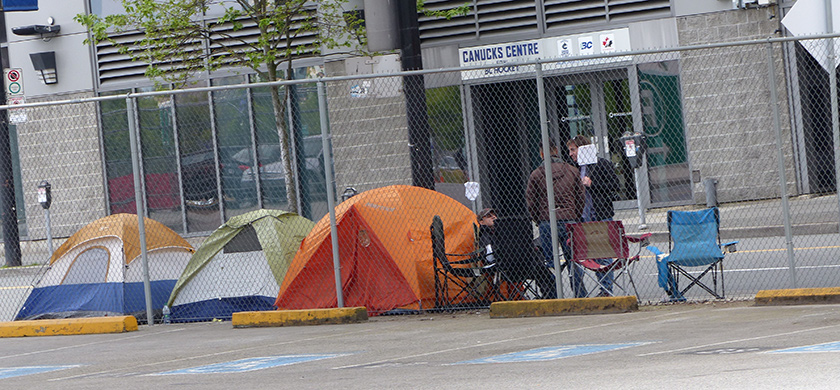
[250,364]
[551,353]
[10,372]
[827,347]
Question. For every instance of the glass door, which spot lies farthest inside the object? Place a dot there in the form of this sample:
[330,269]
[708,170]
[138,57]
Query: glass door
[574,113]
[598,107]
[618,119]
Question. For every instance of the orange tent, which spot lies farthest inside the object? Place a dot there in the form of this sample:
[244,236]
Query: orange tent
[385,250]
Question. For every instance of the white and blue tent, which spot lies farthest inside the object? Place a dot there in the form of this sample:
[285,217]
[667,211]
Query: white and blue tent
[98,271]
[239,267]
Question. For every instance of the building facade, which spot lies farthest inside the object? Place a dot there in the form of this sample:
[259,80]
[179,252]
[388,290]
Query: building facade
[681,100]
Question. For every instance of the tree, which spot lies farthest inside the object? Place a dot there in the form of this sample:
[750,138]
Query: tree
[176,43]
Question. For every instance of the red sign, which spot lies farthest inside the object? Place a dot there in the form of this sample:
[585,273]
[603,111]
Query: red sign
[14,75]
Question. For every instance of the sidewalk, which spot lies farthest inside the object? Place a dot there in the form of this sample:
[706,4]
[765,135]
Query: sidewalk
[809,214]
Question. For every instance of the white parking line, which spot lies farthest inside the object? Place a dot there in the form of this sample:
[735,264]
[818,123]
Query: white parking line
[87,344]
[168,363]
[503,341]
[738,340]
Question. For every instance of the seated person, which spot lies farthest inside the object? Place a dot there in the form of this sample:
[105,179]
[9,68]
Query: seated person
[486,233]
[523,267]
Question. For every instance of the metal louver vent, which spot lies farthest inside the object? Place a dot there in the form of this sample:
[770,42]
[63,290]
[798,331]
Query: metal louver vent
[487,18]
[434,29]
[114,66]
[559,13]
[226,40]
[504,17]
[490,18]
[571,13]
[118,68]
[620,10]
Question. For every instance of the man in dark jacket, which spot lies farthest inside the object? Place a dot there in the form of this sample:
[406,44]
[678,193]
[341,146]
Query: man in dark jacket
[568,202]
[600,183]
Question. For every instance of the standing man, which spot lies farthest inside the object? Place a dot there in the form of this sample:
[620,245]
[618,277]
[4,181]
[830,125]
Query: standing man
[568,199]
[600,185]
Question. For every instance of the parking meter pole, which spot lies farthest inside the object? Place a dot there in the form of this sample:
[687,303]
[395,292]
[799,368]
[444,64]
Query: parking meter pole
[639,200]
[138,201]
[635,151]
[49,231]
[322,109]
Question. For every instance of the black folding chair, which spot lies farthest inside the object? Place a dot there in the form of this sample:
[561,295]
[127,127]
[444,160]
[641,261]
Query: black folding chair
[463,282]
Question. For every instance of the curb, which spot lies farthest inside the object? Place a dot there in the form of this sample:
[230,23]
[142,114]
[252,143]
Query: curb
[797,296]
[68,326]
[347,315]
[558,307]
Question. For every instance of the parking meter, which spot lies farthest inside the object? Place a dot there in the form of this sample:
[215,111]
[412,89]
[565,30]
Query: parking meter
[45,199]
[634,148]
[45,194]
[349,192]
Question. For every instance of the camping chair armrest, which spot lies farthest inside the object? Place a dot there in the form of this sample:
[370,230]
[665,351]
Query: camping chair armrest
[643,239]
[471,254]
[465,261]
[471,258]
[654,250]
[729,246]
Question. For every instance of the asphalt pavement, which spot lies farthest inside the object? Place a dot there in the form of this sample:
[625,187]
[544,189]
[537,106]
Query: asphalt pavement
[724,345]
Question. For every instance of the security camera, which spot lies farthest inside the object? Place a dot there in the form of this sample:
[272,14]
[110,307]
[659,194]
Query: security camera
[36,29]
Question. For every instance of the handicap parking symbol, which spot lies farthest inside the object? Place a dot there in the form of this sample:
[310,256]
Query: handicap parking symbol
[251,364]
[10,372]
[826,347]
[551,353]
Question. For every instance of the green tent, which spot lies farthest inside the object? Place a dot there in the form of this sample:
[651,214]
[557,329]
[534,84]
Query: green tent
[239,267]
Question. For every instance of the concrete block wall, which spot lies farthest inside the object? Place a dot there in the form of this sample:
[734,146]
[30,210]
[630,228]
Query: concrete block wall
[60,144]
[727,106]
[369,136]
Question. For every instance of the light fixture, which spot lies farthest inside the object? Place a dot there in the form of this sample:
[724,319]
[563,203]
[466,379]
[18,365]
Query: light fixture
[45,31]
[44,64]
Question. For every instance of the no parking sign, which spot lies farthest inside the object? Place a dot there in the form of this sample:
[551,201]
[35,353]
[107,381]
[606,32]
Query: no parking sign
[13,79]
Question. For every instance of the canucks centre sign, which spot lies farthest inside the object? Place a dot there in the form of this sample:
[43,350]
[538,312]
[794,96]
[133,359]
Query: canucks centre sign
[506,55]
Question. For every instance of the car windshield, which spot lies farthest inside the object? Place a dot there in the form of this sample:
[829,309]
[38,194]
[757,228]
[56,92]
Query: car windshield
[312,146]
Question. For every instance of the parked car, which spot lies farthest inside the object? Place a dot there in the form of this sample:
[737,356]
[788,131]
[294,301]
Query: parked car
[199,179]
[273,175]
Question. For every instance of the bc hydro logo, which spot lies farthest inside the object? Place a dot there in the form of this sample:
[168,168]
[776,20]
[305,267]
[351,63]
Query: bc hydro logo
[586,46]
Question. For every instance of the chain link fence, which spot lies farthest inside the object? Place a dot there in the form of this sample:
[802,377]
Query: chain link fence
[440,208]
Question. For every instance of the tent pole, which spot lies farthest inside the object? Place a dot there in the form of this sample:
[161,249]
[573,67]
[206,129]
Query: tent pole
[138,201]
[325,144]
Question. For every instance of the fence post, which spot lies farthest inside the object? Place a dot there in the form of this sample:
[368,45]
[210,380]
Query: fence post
[325,144]
[138,201]
[777,124]
[832,85]
[549,182]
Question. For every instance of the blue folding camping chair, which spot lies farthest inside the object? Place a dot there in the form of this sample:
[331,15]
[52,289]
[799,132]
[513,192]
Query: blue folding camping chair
[694,241]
